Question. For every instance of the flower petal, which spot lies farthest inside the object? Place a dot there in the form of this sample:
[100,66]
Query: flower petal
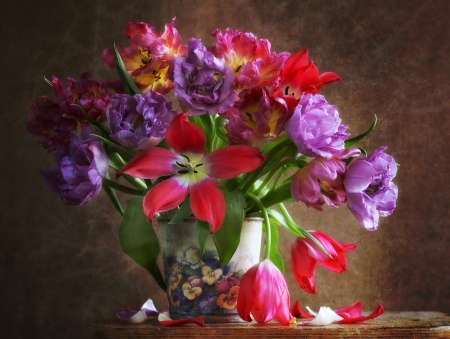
[152,163]
[231,161]
[325,316]
[351,311]
[378,311]
[182,135]
[166,321]
[208,202]
[164,196]
[297,311]
[359,176]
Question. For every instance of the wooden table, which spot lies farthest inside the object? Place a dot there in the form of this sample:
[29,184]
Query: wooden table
[389,325]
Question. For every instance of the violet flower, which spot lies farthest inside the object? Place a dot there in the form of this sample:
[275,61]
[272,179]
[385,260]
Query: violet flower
[208,303]
[369,187]
[141,120]
[202,82]
[315,127]
[88,93]
[80,167]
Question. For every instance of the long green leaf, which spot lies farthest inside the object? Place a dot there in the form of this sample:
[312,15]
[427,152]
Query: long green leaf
[227,237]
[275,256]
[202,234]
[182,213]
[350,142]
[138,239]
[112,195]
[128,84]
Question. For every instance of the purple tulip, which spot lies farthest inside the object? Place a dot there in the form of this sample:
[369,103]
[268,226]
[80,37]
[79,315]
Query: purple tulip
[202,82]
[315,127]
[140,120]
[80,167]
[369,187]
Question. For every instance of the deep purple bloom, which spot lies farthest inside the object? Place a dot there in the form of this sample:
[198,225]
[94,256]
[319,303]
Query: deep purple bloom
[49,122]
[202,82]
[369,187]
[315,127]
[208,303]
[88,93]
[140,120]
[80,167]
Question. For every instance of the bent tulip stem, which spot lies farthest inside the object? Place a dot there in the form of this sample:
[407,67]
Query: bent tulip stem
[122,188]
[266,221]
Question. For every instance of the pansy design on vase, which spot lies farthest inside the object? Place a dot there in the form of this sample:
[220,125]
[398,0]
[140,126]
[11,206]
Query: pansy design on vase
[196,283]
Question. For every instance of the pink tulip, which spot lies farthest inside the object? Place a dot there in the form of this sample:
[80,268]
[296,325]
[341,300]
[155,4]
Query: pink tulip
[264,295]
[305,255]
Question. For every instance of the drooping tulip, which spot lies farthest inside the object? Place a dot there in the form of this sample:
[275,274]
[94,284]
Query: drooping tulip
[191,172]
[305,255]
[264,294]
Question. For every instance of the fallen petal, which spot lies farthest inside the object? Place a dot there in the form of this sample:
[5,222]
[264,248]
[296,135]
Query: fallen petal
[131,315]
[378,311]
[325,316]
[166,321]
[149,308]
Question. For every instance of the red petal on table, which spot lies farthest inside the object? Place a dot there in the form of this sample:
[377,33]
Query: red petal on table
[297,312]
[199,321]
[379,311]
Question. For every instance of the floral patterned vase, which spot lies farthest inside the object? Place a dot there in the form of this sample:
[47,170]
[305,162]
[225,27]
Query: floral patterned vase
[196,284]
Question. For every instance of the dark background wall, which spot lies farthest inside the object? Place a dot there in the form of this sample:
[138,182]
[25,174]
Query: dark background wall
[61,267]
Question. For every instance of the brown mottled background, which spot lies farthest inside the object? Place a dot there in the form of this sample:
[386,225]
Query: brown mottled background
[61,267]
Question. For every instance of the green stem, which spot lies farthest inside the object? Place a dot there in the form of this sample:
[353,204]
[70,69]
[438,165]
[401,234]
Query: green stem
[250,178]
[266,221]
[122,188]
[111,193]
[272,173]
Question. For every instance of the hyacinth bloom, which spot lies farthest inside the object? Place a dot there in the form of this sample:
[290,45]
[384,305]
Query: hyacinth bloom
[370,190]
[305,255]
[149,54]
[202,82]
[350,314]
[88,93]
[315,127]
[249,58]
[80,167]
[191,172]
[264,294]
[139,121]
[300,76]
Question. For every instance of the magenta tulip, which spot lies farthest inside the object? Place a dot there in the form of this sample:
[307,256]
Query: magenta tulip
[264,295]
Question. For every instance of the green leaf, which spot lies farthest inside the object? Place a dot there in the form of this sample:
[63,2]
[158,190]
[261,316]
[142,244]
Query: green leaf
[129,87]
[138,239]
[228,235]
[350,142]
[209,128]
[182,213]
[112,195]
[202,234]
[275,256]
[48,81]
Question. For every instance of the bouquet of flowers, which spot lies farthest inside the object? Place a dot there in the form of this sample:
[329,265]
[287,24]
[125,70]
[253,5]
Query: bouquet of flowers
[219,133]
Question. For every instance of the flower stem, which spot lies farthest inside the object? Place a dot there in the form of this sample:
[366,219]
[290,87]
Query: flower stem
[272,173]
[122,188]
[266,221]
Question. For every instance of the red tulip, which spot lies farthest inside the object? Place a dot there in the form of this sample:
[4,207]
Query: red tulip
[305,254]
[264,295]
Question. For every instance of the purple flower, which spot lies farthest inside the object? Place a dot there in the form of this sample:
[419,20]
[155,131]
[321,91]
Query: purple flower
[319,183]
[80,167]
[140,120]
[49,122]
[315,127]
[208,303]
[202,82]
[88,93]
[369,187]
